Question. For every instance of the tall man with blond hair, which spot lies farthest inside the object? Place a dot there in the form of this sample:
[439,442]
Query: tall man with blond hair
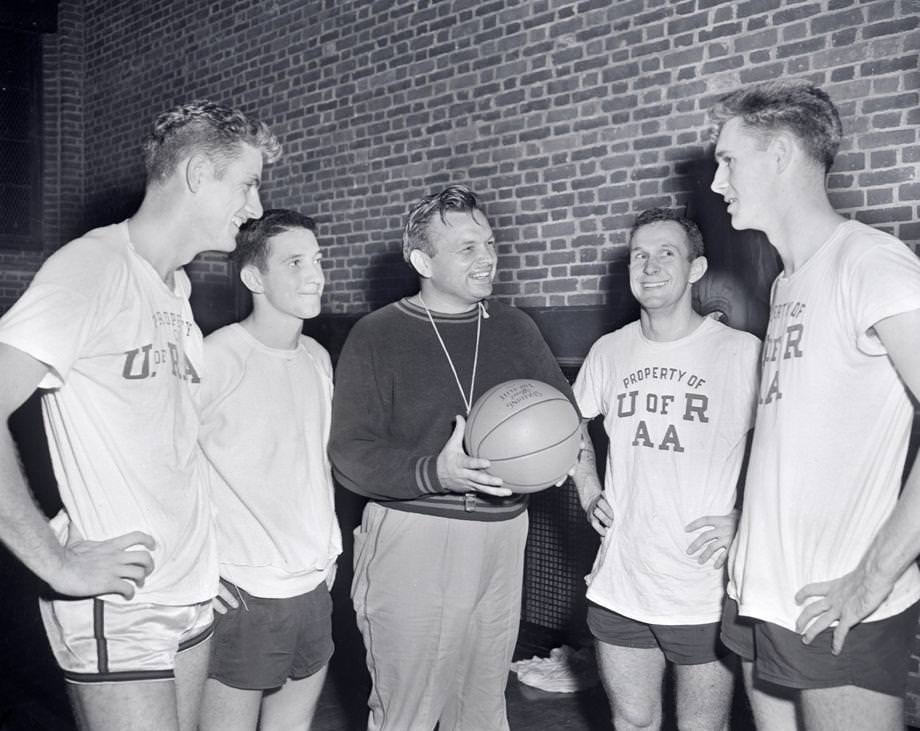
[106,332]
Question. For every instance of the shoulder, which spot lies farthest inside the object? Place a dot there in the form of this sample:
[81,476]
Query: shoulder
[386,317]
[859,240]
[229,341]
[513,321]
[97,254]
[317,352]
[732,334]
[730,337]
[618,338]
[505,312]
[734,349]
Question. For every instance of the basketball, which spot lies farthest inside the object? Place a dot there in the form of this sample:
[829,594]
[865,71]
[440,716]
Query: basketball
[528,430]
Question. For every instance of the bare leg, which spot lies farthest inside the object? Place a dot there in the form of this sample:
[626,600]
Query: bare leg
[774,707]
[852,708]
[704,695]
[191,670]
[148,705]
[291,707]
[632,678]
[229,708]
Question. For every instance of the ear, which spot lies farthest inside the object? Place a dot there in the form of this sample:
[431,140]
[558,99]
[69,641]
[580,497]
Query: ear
[783,150]
[698,268]
[421,262]
[252,278]
[197,167]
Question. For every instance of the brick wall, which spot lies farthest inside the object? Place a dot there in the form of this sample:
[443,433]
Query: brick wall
[62,152]
[567,116]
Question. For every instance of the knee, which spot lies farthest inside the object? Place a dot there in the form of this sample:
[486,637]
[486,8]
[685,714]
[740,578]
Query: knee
[635,719]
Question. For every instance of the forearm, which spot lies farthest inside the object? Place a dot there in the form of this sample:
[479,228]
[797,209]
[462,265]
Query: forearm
[23,527]
[897,544]
[587,483]
[381,473]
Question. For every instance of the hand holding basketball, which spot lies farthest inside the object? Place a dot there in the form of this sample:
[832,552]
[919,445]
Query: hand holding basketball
[458,472]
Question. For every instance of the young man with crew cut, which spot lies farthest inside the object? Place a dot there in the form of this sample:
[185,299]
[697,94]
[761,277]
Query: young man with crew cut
[676,391]
[823,586]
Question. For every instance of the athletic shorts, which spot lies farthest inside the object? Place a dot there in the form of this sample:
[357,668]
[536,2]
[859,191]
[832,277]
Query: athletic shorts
[682,644]
[875,655]
[96,641]
[264,642]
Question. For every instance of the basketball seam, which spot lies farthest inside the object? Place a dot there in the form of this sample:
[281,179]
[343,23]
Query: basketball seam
[515,413]
[537,451]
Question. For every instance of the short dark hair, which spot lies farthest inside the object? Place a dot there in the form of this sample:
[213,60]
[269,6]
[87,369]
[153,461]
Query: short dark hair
[254,235]
[796,106]
[415,231]
[203,126]
[695,246]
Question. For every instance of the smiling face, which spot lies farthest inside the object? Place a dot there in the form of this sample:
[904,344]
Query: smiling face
[460,272]
[660,270]
[229,197]
[292,280]
[743,175]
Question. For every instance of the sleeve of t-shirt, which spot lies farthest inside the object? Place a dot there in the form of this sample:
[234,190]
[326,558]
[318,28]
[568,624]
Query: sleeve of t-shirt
[747,358]
[885,281]
[59,315]
[589,384]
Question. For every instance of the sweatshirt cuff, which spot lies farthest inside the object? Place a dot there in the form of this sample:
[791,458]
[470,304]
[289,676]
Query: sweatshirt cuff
[426,476]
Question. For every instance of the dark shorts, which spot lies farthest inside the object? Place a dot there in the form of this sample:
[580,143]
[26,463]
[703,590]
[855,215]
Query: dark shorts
[264,642]
[875,656]
[682,644]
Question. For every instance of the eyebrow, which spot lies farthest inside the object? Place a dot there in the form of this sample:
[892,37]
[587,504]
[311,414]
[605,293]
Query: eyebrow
[467,242]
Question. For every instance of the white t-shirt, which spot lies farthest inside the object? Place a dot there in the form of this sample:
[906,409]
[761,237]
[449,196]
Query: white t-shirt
[124,356]
[832,427]
[265,416]
[677,414]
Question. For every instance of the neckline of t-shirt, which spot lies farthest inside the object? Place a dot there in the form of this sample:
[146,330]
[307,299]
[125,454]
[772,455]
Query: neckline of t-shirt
[176,291]
[838,233]
[698,331]
[268,349]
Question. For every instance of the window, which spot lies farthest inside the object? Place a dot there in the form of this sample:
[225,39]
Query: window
[20,139]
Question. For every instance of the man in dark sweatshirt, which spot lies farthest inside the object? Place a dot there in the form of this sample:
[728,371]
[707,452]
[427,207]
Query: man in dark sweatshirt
[440,552]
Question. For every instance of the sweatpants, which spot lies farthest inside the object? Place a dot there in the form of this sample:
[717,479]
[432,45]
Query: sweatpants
[438,602]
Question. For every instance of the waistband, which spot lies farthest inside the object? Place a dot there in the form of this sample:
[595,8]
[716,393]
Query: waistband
[468,506]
